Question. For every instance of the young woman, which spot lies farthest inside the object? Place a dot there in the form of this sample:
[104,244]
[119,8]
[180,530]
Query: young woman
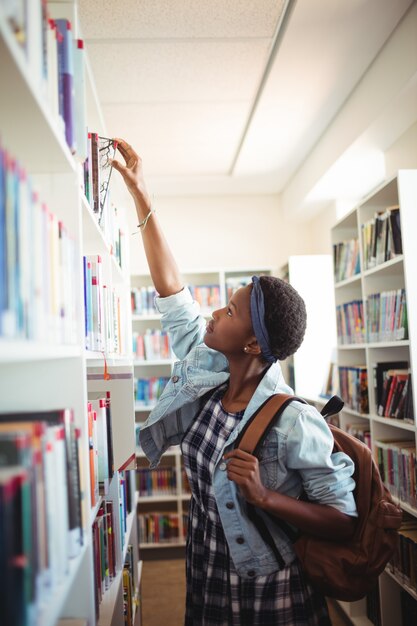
[226,370]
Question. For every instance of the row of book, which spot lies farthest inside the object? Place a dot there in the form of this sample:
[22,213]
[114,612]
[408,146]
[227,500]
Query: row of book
[130,587]
[102,310]
[97,170]
[398,468]
[350,323]
[100,441]
[37,263]
[386,319]
[393,390]
[381,237]
[142,300]
[208,296]
[42,509]
[149,390]
[386,315]
[157,482]
[404,562]
[353,384]
[160,528]
[152,344]
[346,259]
[104,551]
[55,61]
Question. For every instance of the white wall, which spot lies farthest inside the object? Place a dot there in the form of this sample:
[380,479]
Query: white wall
[223,232]
[403,153]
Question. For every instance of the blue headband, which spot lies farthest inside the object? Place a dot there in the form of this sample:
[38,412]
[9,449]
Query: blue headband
[257,309]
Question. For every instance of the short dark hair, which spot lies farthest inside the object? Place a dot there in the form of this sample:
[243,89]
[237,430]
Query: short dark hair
[285,316]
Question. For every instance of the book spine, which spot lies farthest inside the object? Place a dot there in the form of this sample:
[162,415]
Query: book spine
[80,101]
[66,79]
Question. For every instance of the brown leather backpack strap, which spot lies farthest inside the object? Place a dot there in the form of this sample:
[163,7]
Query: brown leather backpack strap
[261,421]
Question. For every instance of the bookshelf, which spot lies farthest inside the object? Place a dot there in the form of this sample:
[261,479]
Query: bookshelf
[44,364]
[163,493]
[367,343]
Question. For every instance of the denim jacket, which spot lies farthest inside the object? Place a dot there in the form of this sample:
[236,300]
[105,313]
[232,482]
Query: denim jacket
[296,455]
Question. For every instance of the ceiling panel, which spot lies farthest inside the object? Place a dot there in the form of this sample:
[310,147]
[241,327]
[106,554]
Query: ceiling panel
[180,139]
[320,61]
[137,19]
[178,71]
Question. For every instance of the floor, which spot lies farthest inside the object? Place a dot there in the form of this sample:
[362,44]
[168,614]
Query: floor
[163,595]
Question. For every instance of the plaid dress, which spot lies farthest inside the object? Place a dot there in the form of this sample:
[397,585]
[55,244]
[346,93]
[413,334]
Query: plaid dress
[216,595]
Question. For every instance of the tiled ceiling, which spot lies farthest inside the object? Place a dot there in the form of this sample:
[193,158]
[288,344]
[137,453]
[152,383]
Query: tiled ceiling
[214,94]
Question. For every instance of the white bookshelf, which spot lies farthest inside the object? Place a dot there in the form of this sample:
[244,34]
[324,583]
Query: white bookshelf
[45,375]
[396,273]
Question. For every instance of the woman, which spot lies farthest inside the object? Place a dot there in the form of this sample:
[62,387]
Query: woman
[227,369]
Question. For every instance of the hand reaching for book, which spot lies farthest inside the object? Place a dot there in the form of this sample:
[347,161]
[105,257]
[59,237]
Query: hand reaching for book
[132,173]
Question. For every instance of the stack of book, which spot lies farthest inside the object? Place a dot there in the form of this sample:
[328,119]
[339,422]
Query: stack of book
[100,439]
[393,390]
[350,323]
[404,562]
[41,509]
[153,344]
[158,527]
[157,482]
[208,296]
[143,300]
[130,586]
[149,390]
[397,466]
[104,551]
[102,310]
[346,259]
[386,315]
[37,263]
[360,431]
[353,382]
[381,237]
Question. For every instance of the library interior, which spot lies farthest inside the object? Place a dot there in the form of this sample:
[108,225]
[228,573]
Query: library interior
[278,139]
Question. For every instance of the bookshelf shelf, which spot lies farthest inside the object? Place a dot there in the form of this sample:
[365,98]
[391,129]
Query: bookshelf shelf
[15,351]
[348,281]
[151,317]
[387,268]
[385,368]
[152,363]
[50,609]
[162,544]
[393,422]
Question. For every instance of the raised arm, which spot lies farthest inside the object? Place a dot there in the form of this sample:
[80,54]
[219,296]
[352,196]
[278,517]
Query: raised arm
[163,268]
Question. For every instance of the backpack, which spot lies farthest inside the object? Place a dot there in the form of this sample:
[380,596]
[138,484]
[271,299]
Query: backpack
[345,570]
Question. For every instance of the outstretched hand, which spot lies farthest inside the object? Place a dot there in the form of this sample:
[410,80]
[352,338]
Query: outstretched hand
[132,171]
[243,469]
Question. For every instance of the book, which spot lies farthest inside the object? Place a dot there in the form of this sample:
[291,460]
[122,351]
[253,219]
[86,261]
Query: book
[71,478]
[80,125]
[15,600]
[66,79]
